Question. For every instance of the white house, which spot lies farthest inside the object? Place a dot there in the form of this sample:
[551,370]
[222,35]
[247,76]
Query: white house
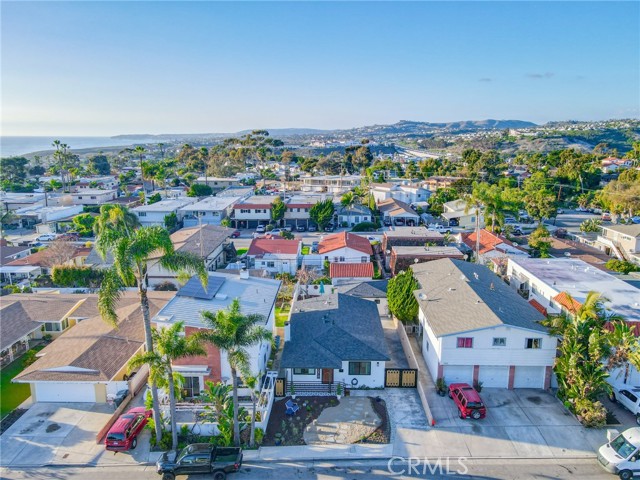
[335,184]
[209,210]
[354,215]
[93,196]
[621,241]
[219,183]
[256,296]
[474,328]
[334,338]
[345,247]
[275,254]
[454,212]
[405,192]
[396,212]
[252,211]
[154,214]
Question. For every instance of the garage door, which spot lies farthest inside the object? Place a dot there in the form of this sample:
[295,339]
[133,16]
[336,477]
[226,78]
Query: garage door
[65,392]
[529,377]
[458,374]
[491,376]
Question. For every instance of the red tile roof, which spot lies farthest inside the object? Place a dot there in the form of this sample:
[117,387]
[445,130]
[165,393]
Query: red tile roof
[488,241]
[351,270]
[273,245]
[565,300]
[345,239]
[535,304]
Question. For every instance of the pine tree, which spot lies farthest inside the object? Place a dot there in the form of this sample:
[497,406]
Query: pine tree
[402,302]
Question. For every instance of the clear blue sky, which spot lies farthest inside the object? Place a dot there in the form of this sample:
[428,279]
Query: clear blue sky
[84,68]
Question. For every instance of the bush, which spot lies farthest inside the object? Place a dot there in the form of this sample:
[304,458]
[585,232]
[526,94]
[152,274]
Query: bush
[166,286]
[364,227]
[77,277]
[198,190]
[259,434]
[591,414]
[621,266]
[29,358]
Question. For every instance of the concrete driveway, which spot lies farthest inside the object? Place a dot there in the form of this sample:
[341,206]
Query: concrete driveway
[63,433]
[522,423]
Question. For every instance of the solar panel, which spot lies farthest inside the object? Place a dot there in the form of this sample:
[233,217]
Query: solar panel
[193,288]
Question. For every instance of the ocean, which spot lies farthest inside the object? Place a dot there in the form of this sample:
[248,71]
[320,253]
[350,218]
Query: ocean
[10,146]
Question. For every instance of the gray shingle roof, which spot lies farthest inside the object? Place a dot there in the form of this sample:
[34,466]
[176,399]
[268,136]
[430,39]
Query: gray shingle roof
[329,329]
[458,296]
[372,289]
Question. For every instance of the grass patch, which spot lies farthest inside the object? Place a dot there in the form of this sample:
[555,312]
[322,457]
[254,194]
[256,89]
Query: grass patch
[306,250]
[241,251]
[13,394]
[282,314]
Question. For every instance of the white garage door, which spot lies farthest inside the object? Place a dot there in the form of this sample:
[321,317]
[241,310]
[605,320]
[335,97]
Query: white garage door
[491,376]
[529,377]
[65,392]
[458,374]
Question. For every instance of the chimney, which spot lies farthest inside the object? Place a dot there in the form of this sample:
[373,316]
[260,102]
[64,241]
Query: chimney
[287,331]
[244,274]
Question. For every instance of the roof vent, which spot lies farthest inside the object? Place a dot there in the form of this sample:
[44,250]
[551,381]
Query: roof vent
[475,275]
[492,287]
[422,296]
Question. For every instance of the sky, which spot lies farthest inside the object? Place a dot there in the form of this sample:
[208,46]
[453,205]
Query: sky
[108,68]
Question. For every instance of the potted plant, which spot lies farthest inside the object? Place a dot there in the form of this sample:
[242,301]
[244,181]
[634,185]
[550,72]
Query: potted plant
[339,391]
[292,391]
[441,386]
[478,386]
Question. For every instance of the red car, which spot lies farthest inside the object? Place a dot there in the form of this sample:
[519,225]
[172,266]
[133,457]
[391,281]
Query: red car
[235,234]
[123,434]
[467,400]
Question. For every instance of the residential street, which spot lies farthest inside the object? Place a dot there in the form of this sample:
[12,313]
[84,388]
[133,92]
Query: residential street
[477,469]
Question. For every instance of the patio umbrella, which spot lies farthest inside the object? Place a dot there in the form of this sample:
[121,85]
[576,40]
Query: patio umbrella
[321,286]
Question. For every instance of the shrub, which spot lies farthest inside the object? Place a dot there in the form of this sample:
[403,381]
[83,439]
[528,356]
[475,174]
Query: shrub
[259,434]
[621,266]
[166,286]
[198,190]
[29,358]
[364,227]
[591,414]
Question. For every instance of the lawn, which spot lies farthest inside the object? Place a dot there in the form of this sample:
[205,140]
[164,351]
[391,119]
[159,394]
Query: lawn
[282,314]
[241,251]
[13,394]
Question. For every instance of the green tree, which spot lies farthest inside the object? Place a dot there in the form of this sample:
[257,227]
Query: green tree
[199,190]
[539,200]
[170,344]
[591,225]
[232,332]
[155,198]
[278,209]
[132,248]
[623,195]
[540,242]
[322,213]
[402,302]
[13,169]
[171,222]
[440,197]
[252,383]
[348,200]
[83,224]
[99,165]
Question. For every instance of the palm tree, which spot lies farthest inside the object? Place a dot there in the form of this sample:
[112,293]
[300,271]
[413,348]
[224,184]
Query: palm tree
[132,249]
[348,200]
[204,156]
[475,201]
[231,331]
[251,382]
[624,348]
[169,345]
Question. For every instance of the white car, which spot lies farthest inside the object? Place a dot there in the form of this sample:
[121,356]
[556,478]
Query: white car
[46,237]
[260,229]
[628,396]
[276,231]
[436,227]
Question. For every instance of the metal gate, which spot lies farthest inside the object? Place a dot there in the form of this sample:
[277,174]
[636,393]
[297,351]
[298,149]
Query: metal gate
[280,387]
[401,377]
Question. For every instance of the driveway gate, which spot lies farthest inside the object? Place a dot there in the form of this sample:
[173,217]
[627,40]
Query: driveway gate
[401,377]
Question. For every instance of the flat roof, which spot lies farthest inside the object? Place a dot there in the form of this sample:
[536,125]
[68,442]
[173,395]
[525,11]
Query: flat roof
[93,191]
[412,232]
[211,203]
[578,278]
[435,250]
[165,205]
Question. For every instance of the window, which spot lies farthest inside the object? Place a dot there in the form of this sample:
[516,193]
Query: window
[342,259]
[65,324]
[271,264]
[52,327]
[533,343]
[500,342]
[298,210]
[244,210]
[364,259]
[142,214]
[359,368]
[93,198]
[80,198]
[465,342]
[304,371]
[306,209]
[191,387]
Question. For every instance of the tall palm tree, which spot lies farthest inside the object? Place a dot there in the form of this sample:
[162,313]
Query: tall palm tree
[474,201]
[348,200]
[251,381]
[232,332]
[132,249]
[204,156]
[169,345]
[624,348]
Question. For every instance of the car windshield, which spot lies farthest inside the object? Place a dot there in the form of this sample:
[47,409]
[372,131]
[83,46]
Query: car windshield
[114,437]
[475,405]
[622,447]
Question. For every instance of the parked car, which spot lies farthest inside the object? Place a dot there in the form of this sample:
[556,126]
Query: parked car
[47,237]
[517,231]
[467,400]
[510,221]
[387,222]
[301,228]
[313,228]
[436,227]
[71,236]
[628,396]
[200,458]
[261,229]
[314,247]
[276,231]
[635,219]
[620,454]
[454,222]
[288,228]
[235,234]
[606,217]
[118,397]
[123,434]
[329,228]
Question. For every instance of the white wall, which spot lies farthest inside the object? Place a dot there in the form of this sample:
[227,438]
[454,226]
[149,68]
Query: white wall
[430,347]
[286,264]
[350,256]
[375,380]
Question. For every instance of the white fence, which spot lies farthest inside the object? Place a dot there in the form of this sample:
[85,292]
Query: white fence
[263,410]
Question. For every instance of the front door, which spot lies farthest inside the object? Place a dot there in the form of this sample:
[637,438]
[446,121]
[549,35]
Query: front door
[327,375]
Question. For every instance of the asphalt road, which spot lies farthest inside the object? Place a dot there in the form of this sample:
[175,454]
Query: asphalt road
[498,469]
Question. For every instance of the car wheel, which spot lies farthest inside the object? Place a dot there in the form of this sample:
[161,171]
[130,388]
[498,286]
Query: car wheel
[134,443]
[462,415]
[476,415]
[626,475]
[168,476]
[219,475]
[638,419]
[612,397]
[450,396]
